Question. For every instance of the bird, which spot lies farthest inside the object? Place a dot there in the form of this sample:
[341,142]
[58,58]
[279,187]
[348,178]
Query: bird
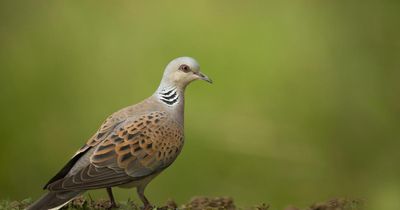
[132,146]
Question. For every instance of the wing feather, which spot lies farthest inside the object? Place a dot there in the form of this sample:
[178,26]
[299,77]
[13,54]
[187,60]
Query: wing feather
[136,148]
[76,161]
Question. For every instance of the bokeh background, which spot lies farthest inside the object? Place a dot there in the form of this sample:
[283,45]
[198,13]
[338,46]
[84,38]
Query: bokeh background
[305,105]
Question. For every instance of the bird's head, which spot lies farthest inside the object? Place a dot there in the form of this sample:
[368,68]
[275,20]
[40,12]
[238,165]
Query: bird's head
[182,71]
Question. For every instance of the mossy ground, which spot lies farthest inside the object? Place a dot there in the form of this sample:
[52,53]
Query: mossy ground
[196,203]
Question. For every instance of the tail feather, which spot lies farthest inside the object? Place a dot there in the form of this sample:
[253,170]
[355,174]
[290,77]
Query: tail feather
[54,200]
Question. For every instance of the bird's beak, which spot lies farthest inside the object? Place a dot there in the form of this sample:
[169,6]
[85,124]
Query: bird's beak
[205,78]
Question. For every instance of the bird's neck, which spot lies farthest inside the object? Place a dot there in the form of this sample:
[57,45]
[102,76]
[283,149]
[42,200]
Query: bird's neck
[172,97]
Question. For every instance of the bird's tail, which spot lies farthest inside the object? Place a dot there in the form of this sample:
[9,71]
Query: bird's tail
[54,200]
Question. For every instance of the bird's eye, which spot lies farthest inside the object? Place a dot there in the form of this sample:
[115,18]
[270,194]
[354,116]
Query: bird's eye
[185,68]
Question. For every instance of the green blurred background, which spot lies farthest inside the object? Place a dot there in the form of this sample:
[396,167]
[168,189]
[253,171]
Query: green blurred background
[305,105]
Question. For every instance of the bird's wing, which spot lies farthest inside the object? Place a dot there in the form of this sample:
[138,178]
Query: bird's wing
[106,129]
[137,148]
[108,126]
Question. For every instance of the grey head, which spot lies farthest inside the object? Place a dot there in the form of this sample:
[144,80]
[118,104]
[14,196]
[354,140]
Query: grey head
[182,71]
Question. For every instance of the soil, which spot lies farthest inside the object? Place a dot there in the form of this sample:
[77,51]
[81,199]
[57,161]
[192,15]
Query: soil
[196,203]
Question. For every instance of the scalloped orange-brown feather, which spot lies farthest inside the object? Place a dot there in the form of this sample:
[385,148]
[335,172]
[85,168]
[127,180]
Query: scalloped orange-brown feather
[136,148]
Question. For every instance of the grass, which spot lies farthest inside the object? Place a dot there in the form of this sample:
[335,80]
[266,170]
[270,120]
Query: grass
[196,203]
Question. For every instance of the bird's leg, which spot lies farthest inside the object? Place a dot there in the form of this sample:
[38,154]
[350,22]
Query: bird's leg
[111,196]
[140,192]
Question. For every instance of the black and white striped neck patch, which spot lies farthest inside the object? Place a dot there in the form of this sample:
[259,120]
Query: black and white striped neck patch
[169,96]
